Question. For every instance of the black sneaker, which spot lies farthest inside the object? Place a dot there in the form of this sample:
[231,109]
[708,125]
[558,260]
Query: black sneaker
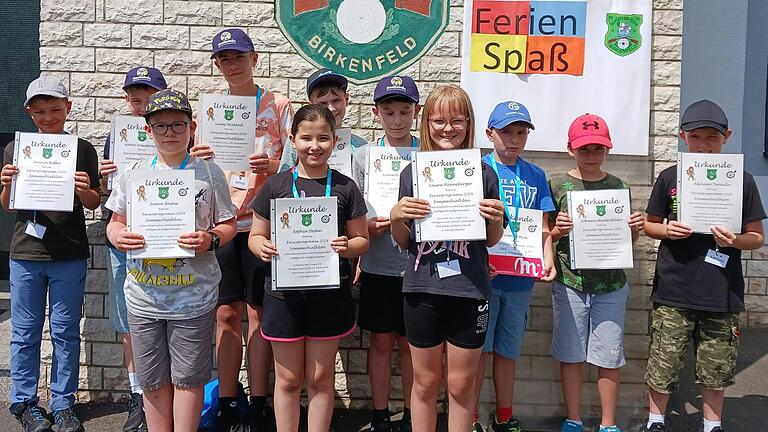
[510,425]
[655,427]
[32,418]
[67,421]
[256,421]
[718,429]
[228,419]
[477,427]
[136,421]
[381,425]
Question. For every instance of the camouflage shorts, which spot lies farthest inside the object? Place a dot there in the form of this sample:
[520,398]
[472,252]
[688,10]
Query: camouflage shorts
[715,339]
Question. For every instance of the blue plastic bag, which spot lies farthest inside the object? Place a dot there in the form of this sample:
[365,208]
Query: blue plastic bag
[211,403]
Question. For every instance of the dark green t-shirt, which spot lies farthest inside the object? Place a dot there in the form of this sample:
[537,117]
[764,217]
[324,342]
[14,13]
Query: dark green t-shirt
[588,281]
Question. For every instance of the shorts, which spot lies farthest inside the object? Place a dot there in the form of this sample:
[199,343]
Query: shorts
[432,319]
[176,351]
[242,273]
[715,337]
[118,312]
[381,304]
[316,315]
[507,321]
[588,327]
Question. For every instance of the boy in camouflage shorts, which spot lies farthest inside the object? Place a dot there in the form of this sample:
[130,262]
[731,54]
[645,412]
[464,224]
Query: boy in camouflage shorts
[693,299]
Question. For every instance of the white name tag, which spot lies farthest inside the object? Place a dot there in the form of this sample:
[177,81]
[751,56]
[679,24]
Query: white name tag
[448,268]
[35,230]
[239,182]
[716,258]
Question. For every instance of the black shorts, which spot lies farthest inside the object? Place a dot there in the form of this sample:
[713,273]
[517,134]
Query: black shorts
[319,315]
[242,273]
[381,304]
[432,319]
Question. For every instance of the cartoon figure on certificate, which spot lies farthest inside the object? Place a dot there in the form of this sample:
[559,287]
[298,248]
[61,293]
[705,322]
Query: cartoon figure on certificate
[580,211]
[141,193]
[427,173]
[286,222]
[124,134]
[210,113]
[690,173]
[27,152]
[377,165]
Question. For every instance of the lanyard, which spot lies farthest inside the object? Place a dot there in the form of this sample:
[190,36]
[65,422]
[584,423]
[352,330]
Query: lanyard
[414,144]
[259,93]
[495,167]
[295,172]
[181,167]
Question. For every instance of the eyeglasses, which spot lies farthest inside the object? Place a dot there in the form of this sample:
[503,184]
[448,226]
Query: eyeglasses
[457,123]
[162,128]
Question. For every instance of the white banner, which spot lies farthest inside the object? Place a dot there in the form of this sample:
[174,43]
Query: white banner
[561,59]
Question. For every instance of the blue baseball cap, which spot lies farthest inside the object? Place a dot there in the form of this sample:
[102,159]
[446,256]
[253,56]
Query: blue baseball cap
[145,75]
[396,86]
[325,76]
[507,113]
[231,39]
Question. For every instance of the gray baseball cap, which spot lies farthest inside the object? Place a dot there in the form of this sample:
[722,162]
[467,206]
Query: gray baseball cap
[46,86]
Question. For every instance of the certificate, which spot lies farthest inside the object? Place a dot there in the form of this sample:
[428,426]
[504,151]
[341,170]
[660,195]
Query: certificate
[129,143]
[710,190]
[601,237]
[341,157]
[161,207]
[526,256]
[46,178]
[228,125]
[452,182]
[302,230]
[382,178]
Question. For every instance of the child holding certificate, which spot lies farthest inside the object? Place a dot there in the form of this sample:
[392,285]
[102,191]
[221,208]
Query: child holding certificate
[588,305]
[305,326]
[522,184]
[396,105]
[698,289]
[49,254]
[171,301]
[446,284]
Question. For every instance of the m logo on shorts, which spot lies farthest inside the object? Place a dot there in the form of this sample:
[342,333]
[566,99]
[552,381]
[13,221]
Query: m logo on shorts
[306,219]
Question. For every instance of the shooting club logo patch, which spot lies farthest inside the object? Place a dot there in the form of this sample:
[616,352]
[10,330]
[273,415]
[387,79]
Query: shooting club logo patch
[362,39]
[623,34]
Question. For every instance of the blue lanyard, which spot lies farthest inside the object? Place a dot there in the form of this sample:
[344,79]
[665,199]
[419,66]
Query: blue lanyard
[295,172]
[181,167]
[414,144]
[495,167]
[258,103]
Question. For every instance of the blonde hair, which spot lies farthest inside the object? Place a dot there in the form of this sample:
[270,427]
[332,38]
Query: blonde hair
[454,100]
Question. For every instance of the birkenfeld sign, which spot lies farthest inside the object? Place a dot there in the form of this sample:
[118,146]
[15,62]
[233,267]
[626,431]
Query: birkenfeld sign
[362,39]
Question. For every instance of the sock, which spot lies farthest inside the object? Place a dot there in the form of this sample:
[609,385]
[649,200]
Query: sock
[711,424]
[474,415]
[257,404]
[407,415]
[133,378]
[227,404]
[578,422]
[654,418]
[503,414]
[380,416]
[607,426]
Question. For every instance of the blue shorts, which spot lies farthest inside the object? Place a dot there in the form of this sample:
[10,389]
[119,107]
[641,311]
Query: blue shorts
[506,326]
[118,312]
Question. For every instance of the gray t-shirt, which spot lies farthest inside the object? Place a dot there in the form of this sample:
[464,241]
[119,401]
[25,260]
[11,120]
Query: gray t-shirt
[178,288]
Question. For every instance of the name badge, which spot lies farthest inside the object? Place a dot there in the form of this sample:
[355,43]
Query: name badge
[239,182]
[448,268]
[716,258]
[35,230]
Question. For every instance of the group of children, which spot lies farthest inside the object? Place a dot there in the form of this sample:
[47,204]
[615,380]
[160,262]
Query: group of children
[166,329]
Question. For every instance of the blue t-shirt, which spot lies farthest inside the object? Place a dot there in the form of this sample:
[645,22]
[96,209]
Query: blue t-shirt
[534,194]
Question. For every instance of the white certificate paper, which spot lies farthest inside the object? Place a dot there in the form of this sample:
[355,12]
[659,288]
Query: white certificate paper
[302,230]
[526,257]
[710,190]
[228,125]
[601,237]
[46,178]
[452,182]
[382,178]
[161,206]
[129,143]
[341,158]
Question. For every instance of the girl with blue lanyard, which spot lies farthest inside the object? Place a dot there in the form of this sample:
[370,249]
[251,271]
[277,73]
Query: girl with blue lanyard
[304,327]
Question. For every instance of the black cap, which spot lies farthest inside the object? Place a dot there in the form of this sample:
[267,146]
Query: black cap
[168,100]
[325,76]
[704,113]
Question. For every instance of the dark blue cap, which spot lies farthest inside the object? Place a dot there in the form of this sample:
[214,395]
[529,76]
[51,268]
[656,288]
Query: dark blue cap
[231,39]
[325,76]
[145,75]
[396,86]
[507,113]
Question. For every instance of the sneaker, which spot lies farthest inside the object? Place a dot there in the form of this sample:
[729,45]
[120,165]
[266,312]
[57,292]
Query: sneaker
[511,425]
[136,421]
[228,419]
[717,429]
[258,421]
[477,427]
[655,427]
[609,429]
[571,426]
[32,418]
[381,426]
[406,426]
[67,421]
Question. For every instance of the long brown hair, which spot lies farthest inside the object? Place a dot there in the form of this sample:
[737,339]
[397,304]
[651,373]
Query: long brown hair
[454,100]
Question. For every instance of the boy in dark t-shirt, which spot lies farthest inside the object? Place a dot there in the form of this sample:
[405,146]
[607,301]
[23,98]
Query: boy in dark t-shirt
[694,300]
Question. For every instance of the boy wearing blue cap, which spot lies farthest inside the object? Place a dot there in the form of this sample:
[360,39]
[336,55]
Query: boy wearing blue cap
[524,184]
[140,83]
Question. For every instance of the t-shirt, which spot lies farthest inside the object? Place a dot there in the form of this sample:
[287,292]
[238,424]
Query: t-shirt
[474,281]
[682,277]
[534,194]
[384,256]
[65,237]
[178,288]
[290,157]
[588,281]
[350,206]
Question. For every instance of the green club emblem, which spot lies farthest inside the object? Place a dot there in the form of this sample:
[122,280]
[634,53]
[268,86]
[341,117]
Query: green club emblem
[600,210]
[396,165]
[711,173]
[162,192]
[449,172]
[362,39]
[142,136]
[229,114]
[514,226]
[47,153]
[622,36]
[306,219]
